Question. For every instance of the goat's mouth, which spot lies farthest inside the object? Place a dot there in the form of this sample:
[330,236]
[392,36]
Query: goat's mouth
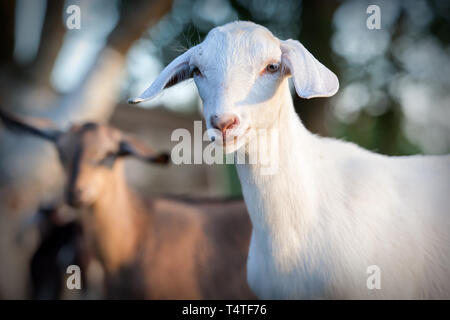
[79,204]
[74,203]
[234,139]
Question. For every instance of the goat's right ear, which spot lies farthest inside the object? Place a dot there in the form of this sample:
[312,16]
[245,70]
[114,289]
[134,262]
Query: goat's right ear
[176,72]
[36,126]
[132,146]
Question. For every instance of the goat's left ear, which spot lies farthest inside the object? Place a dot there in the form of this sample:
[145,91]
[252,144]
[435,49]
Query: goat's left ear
[36,126]
[130,145]
[176,72]
[311,78]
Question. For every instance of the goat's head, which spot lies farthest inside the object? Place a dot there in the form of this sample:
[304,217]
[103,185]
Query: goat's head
[238,70]
[89,154]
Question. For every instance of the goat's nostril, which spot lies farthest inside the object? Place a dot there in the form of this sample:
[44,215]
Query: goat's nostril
[224,123]
[74,196]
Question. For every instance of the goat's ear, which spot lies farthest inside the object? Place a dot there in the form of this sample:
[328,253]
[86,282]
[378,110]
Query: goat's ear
[176,72]
[132,146]
[311,78]
[36,126]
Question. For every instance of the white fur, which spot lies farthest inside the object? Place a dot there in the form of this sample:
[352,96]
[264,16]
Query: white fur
[332,209]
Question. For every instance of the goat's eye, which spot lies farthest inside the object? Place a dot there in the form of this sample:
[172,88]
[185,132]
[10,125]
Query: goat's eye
[273,67]
[195,71]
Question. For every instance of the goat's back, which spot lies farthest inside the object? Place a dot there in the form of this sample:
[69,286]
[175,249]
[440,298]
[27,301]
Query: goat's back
[197,250]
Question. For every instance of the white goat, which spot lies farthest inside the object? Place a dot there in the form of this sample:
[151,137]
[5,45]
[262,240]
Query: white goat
[332,209]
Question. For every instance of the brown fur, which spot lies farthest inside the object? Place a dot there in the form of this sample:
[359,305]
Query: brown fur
[169,249]
[160,249]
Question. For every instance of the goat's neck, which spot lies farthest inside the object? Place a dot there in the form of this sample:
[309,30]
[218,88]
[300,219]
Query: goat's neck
[281,205]
[117,218]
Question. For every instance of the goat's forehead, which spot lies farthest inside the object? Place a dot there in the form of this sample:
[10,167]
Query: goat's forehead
[91,134]
[102,135]
[238,43]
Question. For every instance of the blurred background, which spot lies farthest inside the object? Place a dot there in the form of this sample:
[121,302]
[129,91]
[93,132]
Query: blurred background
[394,95]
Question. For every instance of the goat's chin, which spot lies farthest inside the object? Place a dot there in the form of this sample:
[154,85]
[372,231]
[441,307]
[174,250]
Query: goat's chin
[234,145]
[236,142]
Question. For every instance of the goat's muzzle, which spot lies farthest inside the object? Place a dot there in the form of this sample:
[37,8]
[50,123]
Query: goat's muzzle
[75,198]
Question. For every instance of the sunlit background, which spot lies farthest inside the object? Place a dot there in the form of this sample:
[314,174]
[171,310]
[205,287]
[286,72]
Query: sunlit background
[395,82]
[394,95]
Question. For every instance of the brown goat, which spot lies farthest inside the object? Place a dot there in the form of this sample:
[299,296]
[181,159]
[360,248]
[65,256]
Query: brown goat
[161,248]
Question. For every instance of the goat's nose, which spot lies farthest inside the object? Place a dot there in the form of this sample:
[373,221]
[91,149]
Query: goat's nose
[74,197]
[224,122]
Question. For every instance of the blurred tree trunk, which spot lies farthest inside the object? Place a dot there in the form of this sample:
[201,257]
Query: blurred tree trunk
[96,97]
[317,18]
[53,30]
